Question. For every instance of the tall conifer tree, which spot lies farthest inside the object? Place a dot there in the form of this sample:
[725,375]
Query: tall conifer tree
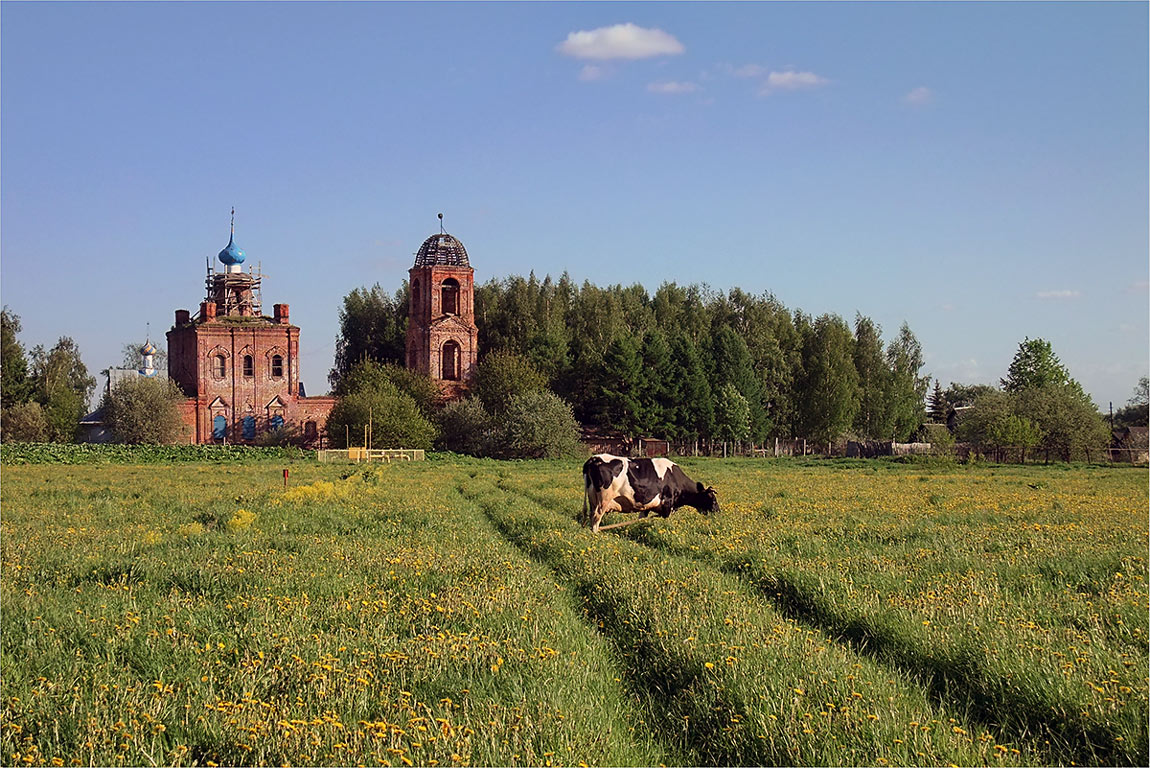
[694,409]
[656,399]
[731,364]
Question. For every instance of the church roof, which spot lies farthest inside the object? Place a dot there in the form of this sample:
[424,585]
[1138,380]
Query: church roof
[441,250]
[232,254]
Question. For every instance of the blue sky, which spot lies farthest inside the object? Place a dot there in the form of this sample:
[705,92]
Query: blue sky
[977,170]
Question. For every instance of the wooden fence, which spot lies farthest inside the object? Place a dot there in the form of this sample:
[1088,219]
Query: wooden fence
[867,449]
[386,455]
[773,447]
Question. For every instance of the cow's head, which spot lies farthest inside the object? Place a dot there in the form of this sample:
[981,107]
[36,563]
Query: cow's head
[709,500]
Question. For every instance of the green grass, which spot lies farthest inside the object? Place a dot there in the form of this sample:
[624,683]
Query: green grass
[453,612]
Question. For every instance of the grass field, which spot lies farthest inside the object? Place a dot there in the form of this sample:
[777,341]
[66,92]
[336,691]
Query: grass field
[453,612]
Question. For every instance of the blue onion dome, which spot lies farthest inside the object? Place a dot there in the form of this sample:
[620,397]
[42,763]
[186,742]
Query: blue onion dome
[441,249]
[148,349]
[232,254]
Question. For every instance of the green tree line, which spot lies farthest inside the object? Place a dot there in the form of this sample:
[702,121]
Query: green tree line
[44,393]
[687,362]
[1038,406]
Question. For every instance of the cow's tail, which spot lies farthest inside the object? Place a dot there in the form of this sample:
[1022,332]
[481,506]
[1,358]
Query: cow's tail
[595,479]
[586,518]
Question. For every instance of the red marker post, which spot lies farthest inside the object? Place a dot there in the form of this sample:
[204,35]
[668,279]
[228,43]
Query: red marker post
[285,479]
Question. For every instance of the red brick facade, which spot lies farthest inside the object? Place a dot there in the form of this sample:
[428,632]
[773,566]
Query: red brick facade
[241,375]
[442,339]
[240,368]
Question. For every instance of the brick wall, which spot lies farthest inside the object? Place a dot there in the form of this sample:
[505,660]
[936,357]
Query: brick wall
[207,360]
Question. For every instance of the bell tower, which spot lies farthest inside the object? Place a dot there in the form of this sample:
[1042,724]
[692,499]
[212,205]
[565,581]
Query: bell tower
[442,339]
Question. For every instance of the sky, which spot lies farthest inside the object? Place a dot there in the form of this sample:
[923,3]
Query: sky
[978,171]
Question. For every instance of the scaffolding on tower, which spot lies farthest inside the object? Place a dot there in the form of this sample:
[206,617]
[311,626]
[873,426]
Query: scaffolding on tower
[235,294]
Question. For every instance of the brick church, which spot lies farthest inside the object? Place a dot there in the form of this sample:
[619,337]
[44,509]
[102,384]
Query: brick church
[442,339]
[239,368]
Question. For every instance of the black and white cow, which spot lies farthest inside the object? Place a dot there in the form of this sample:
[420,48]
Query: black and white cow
[620,484]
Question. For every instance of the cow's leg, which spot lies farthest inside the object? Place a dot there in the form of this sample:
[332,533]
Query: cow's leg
[597,517]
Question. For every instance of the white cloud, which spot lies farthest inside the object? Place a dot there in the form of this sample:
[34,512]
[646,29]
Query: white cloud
[673,87]
[791,80]
[919,96]
[748,70]
[1061,294]
[622,41]
[591,72]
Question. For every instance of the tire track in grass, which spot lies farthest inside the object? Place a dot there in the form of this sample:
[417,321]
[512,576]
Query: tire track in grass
[761,703]
[577,676]
[690,716]
[959,679]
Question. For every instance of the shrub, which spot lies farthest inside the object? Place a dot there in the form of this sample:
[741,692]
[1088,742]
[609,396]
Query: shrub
[940,438]
[395,420]
[466,427]
[110,453]
[24,423]
[370,374]
[141,410]
[1067,423]
[503,375]
[538,425]
[285,436]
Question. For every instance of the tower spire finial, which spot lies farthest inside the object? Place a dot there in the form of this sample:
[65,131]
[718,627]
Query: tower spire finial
[442,231]
[233,221]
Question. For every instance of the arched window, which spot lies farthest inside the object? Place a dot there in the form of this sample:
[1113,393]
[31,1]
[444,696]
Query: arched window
[277,367]
[249,427]
[249,367]
[450,366]
[219,366]
[309,430]
[276,421]
[450,297]
[219,427]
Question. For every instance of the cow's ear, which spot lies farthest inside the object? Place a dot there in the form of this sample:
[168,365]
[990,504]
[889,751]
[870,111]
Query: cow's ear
[701,488]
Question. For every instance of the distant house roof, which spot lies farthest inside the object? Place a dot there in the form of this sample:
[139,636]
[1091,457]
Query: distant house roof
[95,418]
[1131,437]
